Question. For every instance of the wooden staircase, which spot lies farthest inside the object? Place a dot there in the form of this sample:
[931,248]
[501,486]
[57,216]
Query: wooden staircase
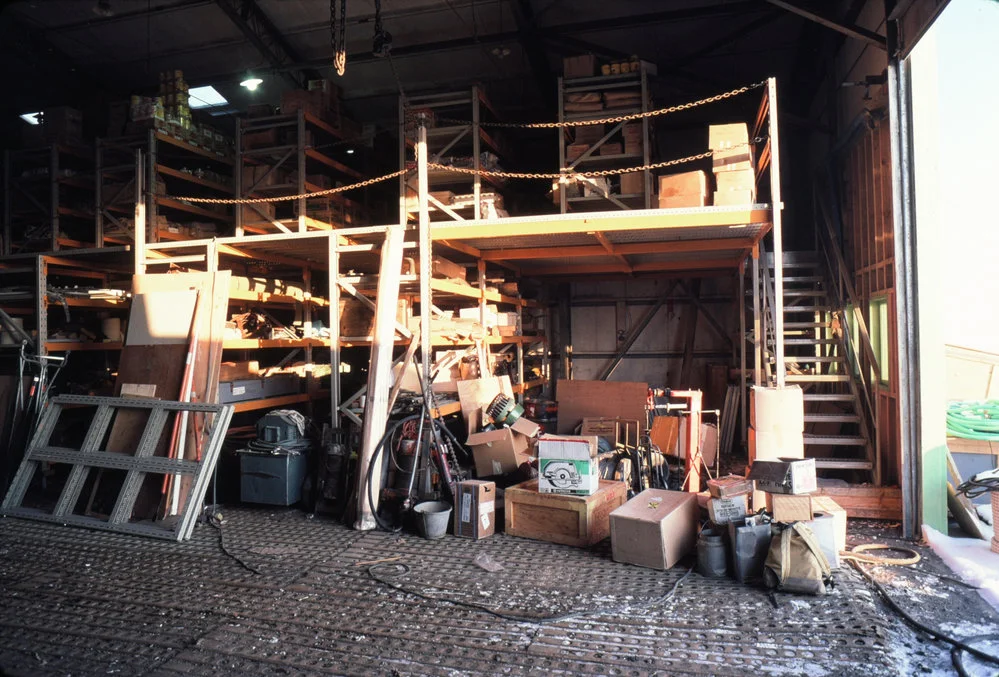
[838,433]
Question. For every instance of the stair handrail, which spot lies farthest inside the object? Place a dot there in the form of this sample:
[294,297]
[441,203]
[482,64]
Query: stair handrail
[769,317]
[862,360]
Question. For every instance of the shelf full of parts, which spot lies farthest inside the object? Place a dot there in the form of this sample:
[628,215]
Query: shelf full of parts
[589,146]
[458,137]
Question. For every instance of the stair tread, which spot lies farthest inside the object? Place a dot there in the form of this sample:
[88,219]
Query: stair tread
[803,278]
[842,464]
[806,325]
[832,418]
[815,358]
[838,440]
[807,309]
[804,292]
[809,341]
[829,397]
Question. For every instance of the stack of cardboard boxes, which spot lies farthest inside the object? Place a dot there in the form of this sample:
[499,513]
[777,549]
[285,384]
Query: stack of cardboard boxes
[732,164]
[776,427]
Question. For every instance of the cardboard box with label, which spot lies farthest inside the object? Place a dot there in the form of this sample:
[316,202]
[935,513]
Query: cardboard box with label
[568,465]
[721,137]
[687,189]
[497,452]
[785,476]
[475,509]
[725,510]
[655,529]
[737,180]
[787,508]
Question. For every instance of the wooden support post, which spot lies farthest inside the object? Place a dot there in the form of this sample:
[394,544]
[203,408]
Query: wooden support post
[757,337]
[379,377]
[485,368]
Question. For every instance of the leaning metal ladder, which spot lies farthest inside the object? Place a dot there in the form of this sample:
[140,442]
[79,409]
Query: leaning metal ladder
[137,465]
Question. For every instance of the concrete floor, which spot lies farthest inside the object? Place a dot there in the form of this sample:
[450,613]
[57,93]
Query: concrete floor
[76,602]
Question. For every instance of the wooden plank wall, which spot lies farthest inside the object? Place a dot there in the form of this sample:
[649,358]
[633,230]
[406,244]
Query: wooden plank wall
[869,249]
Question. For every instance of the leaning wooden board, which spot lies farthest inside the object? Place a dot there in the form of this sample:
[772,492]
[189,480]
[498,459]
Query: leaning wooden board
[600,399]
[570,520]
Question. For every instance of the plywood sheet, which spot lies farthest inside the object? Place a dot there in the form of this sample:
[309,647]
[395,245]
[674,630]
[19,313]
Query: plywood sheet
[475,395]
[600,399]
[161,318]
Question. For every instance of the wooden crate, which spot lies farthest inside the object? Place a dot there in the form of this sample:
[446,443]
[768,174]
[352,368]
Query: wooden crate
[884,503]
[569,520]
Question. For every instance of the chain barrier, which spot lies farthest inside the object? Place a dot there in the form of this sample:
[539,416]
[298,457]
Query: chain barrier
[616,118]
[568,175]
[285,198]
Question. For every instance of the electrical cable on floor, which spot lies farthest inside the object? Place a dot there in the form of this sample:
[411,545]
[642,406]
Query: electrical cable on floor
[404,569]
[975,487]
[215,519]
[957,653]
[856,557]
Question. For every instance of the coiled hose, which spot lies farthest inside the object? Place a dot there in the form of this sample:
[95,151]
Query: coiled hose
[974,420]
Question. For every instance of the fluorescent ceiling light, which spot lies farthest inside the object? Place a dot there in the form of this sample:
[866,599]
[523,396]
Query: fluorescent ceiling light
[31,118]
[350,151]
[251,82]
[206,97]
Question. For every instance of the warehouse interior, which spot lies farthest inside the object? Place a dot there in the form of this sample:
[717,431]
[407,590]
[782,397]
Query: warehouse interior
[495,336]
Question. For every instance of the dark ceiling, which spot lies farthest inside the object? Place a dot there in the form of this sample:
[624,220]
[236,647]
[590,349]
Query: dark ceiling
[61,51]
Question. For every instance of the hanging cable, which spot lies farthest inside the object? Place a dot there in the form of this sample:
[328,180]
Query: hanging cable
[382,44]
[338,37]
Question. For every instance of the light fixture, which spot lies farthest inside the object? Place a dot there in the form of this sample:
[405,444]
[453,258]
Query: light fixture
[31,118]
[103,8]
[350,151]
[251,82]
[206,97]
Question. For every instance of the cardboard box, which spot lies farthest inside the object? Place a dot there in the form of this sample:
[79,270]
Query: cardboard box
[784,476]
[602,427]
[444,268]
[584,66]
[525,427]
[733,198]
[777,409]
[588,134]
[767,446]
[497,452]
[687,189]
[575,151]
[579,521]
[728,135]
[826,504]
[655,529]
[235,371]
[733,159]
[736,179]
[725,510]
[632,133]
[633,183]
[475,509]
[787,508]
[730,485]
[567,464]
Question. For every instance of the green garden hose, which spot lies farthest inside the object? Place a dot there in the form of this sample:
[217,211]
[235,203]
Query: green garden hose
[974,420]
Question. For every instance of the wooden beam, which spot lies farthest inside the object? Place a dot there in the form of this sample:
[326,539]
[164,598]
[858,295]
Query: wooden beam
[678,246]
[609,246]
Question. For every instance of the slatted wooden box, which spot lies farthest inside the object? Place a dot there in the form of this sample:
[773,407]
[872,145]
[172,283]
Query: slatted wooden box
[569,520]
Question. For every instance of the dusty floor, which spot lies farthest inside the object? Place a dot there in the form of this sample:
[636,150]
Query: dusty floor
[76,602]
